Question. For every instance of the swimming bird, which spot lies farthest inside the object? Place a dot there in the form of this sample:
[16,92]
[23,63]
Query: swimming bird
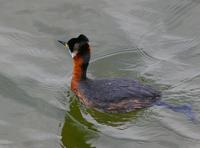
[108,95]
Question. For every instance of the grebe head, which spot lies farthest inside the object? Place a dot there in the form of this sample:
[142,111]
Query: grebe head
[79,49]
[77,45]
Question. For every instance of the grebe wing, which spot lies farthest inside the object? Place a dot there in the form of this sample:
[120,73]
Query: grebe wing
[111,90]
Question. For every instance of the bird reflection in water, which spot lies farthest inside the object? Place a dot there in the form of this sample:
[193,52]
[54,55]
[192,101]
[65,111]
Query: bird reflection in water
[78,130]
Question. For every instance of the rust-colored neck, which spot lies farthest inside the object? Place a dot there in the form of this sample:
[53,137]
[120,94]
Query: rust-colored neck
[80,64]
[79,69]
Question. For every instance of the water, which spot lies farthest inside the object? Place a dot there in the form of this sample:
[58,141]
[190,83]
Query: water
[154,41]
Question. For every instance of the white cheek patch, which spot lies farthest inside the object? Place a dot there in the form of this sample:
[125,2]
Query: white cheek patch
[74,53]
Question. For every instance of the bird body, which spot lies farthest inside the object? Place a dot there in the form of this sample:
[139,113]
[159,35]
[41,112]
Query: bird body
[117,94]
[110,95]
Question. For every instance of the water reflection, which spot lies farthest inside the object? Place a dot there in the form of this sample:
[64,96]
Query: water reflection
[82,125]
[77,131]
[114,119]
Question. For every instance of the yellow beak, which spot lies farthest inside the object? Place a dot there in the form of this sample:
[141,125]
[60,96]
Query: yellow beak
[64,43]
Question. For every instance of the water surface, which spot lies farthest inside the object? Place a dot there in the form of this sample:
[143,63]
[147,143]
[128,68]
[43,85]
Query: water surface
[154,41]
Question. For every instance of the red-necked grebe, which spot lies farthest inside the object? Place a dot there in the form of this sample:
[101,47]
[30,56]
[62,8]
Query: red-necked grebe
[110,95]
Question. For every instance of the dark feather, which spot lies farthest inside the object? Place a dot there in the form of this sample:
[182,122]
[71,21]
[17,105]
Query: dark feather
[106,91]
